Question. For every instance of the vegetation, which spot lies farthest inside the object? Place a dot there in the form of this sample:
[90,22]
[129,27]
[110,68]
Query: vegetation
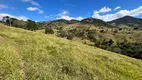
[46,57]
[31,25]
[128,20]
[125,48]
[101,34]
[7,19]
[49,30]
[95,22]
[106,38]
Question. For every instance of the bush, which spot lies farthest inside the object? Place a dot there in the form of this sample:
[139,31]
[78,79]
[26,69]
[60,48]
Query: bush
[49,30]
[136,28]
[63,34]
[92,35]
[70,36]
[120,29]
[102,31]
[31,25]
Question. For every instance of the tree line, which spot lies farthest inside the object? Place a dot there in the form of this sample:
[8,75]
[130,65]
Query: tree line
[29,24]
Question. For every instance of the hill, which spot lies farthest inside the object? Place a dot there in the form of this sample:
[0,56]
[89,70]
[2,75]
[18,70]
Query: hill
[62,22]
[122,39]
[35,56]
[129,21]
[95,22]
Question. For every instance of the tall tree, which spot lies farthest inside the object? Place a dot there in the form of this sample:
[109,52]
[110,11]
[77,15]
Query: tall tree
[7,19]
[31,25]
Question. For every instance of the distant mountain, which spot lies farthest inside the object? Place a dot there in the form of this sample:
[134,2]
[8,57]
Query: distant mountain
[63,22]
[127,20]
[55,23]
[74,21]
[96,22]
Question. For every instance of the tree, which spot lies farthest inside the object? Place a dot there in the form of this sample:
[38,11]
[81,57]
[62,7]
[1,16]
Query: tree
[7,19]
[31,25]
[19,24]
[49,30]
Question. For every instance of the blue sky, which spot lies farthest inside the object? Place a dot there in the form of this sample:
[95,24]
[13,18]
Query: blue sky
[44,10]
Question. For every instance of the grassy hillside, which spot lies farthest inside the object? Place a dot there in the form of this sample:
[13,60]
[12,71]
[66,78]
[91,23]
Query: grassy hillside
[122,39]
[36,56]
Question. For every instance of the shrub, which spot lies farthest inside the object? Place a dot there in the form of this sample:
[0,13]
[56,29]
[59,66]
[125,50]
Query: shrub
[63,34]
[120,29]
[70,36]
[31,25]
[49,30]
[136,28]
[102,31]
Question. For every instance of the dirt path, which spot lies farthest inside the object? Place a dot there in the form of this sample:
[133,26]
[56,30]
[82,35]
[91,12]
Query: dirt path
[22,66]
[1,37]
[22,72]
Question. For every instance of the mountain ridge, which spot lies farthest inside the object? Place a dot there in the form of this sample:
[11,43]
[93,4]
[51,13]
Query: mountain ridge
[128,20]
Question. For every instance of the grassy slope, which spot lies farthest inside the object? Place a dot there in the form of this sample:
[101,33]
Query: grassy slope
[36,56]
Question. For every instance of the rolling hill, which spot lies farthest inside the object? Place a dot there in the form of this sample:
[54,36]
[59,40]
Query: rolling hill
[28,55]
[62,22]
[95,22]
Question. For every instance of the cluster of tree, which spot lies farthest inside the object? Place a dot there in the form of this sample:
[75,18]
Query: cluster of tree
[125,48]
[130,49]
[29,24]
[61,33]
[105,44]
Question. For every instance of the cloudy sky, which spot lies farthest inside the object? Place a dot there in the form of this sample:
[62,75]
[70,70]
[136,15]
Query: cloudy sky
[44,10]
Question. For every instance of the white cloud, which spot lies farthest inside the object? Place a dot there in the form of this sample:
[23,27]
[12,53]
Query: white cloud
[50,16]
[12,16]
[34,9]
[119,14]
[79,18]
[64,15]
[104,10]
[118,7]
[64,12]
[2,6]
[70,18]
[32,2]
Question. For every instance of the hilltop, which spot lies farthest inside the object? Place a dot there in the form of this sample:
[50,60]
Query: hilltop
[33,55]
[129,21]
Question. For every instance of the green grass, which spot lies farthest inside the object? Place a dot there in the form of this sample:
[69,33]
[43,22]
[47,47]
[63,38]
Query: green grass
[37,56]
